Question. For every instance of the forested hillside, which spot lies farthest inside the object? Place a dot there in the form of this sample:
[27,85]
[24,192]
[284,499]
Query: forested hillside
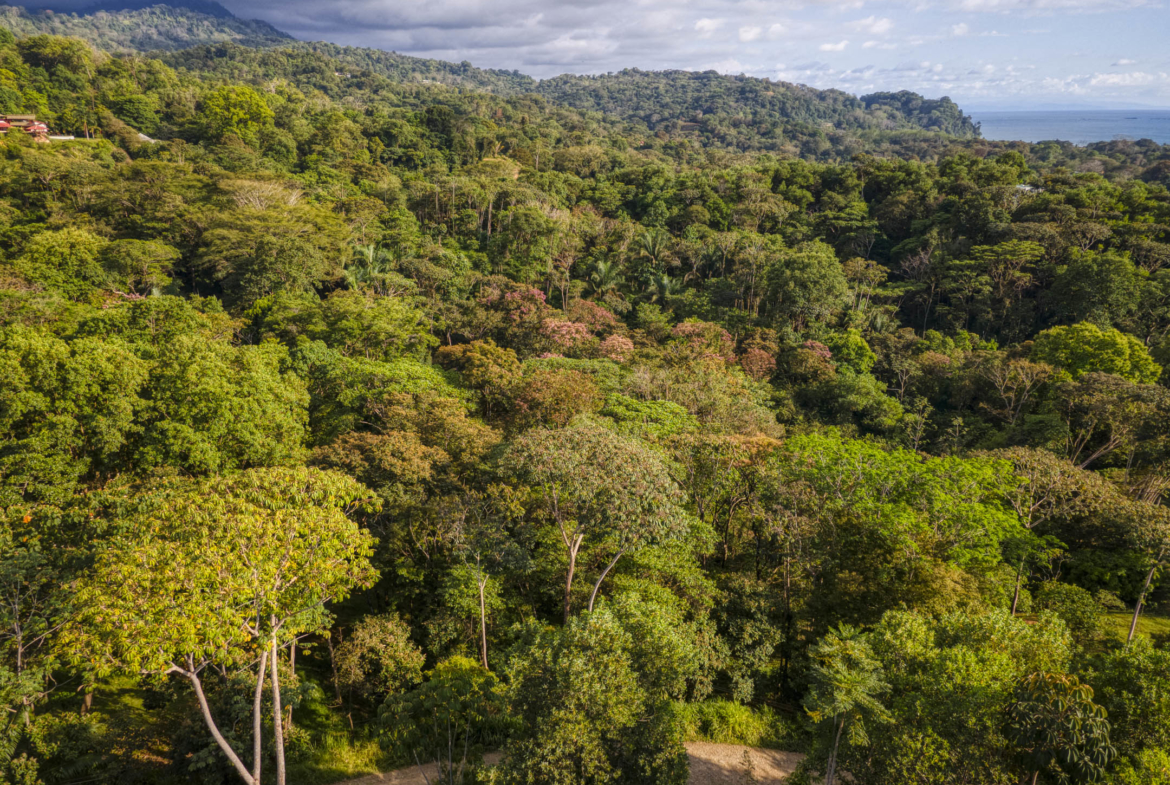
[733,112]
[155,27]
[361,421]
[745,112]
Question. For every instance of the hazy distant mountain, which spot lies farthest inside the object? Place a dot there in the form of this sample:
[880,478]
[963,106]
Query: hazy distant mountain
[87,7]
[208,7]
[157,27]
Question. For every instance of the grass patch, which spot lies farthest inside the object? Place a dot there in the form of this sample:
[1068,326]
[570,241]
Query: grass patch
[1115,624]
[725,722]
[340,756]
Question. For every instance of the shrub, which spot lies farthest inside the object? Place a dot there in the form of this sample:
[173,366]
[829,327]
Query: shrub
[727,722]
[1073,604]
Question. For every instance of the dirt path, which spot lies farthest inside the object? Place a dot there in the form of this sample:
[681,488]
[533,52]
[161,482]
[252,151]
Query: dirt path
[733,764]
[411,775]
[711,764]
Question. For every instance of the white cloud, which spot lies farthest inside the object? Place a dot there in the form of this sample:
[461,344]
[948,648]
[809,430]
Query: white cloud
[873,25]
[1124,61]
[775,31]
[879,45]
[1133,79]
[1005,6]
[729,66]
[839,47]
[750,33]
[960,30]
[707,27]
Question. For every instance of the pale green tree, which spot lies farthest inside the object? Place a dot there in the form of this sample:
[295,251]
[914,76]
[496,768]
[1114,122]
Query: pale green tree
[222,573]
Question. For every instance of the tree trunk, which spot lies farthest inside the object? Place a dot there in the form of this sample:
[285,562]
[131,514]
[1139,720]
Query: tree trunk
[292,668]
[258,720]
[604,572]
[211,726]
[333,666]
[1019,577]
[1137,609]
[831,773]
[573,548]
[277,719]
[482,581]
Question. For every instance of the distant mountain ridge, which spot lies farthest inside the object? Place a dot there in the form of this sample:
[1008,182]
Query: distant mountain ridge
[207,7]
[740,112]
[154,27]
[674,99]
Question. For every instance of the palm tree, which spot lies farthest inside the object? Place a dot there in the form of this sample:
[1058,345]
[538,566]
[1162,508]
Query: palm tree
[604,278]
[654,248]
[662,288]
[368,264]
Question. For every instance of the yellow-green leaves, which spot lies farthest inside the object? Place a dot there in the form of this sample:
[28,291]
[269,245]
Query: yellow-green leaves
[209,568]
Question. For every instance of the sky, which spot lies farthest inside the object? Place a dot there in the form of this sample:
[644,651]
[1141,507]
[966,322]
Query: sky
[985,54]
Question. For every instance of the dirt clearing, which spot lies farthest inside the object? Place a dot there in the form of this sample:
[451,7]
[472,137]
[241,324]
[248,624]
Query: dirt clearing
[711,764]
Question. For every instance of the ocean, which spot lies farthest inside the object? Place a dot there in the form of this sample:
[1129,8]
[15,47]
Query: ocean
[1078,127]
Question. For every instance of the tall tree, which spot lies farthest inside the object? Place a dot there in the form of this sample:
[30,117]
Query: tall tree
[595,485]
[222,572]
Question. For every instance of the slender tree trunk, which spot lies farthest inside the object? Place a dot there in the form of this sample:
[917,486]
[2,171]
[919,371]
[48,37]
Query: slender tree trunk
[277,719]
[787,646]
[258,720]
[608,567]
[1137,609]
[214,729]
[1019,578]
[333,666]
[482,581]
[831,773]
[573,548]
[292,668]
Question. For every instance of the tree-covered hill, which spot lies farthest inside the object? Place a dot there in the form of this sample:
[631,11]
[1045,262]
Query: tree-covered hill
[158,27]
[207,7]
[733,112]
[721,106]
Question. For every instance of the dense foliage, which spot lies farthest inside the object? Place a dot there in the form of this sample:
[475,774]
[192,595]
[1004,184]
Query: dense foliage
[360,422]
[149,27]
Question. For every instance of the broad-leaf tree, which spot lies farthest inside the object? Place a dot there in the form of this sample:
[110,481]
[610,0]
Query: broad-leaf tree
[222,573]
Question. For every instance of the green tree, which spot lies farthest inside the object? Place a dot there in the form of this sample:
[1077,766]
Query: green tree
[67,260]
[143,266]
[253,253]
[594,484]
[1086,348]
[1098,287]
[71,413]
[583,716]
[805,285]
[952,678]
[846,684]
[235,109]
[378,657]
[1057,726]
[1133,685]
[447,719]
[222,573]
